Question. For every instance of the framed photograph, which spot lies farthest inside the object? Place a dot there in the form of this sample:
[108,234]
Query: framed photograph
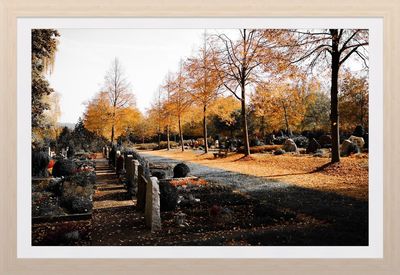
[214,138]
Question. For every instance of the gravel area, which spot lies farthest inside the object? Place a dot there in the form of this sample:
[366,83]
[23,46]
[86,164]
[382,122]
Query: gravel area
[242,182]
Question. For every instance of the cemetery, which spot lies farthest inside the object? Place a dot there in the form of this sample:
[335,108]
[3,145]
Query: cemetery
[242,137]
[141,197]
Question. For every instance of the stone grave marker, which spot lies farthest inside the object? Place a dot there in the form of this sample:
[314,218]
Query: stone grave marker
[128,167]
[141,189]
[134,182]
[152,208]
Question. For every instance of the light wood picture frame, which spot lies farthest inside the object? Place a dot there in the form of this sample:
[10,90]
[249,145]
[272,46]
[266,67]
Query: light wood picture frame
[11,10]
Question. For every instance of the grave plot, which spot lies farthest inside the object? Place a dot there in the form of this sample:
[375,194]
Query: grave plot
[62,204]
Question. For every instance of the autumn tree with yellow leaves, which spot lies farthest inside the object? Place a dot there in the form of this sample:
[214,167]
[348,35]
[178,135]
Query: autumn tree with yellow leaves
[243,62]
[179,100]
[353,101]
[203,81]
[282,104]
[119,93]
[99,117]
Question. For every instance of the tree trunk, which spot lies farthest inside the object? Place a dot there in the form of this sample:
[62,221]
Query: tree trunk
[180,133]
[286,122]
[113,125]
[263,127]
[334,97]
[168,143]
[244,121]
[205,129]
[112,134]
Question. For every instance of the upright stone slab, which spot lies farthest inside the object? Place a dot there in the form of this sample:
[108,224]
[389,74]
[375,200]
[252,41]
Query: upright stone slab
[141,193]
[134,182]
[119,165]
[152,210]
[128,167]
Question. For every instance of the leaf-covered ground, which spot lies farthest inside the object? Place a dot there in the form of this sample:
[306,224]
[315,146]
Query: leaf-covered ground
[347,178]
[215,214]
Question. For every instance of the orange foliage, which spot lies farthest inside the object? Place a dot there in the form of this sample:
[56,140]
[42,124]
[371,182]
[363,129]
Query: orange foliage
[98,117]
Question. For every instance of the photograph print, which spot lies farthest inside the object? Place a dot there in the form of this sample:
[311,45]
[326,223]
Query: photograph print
[199,137]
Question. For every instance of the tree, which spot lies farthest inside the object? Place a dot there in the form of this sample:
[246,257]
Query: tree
[44,47]
[156,115]
[97,116]
[204,82]
[49,128]
[166,106]
[283,102]
[119,92]
[317,113]
[179,101]
[100,117]
[64,139]
[340,45]
[239,66]
[353,101]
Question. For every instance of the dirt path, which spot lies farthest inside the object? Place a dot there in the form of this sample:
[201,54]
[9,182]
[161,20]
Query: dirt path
[115,218]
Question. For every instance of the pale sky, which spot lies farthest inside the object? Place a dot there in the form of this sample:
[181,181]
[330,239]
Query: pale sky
[84,56]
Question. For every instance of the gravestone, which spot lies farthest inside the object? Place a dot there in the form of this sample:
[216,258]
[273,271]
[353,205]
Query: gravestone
[141,189]
[289,146]
[325,141]
[120,164]
[134,182]
[279,152]
[359,141]
[168,195]
[152,209]
[159,174]
[313,146]
[348,148]
[181,170]
[128,167]
[112,156]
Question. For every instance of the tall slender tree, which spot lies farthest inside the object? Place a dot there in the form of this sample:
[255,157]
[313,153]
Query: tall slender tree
[179,100]
[204,82]
[166,106]
[118,90]
[240,65]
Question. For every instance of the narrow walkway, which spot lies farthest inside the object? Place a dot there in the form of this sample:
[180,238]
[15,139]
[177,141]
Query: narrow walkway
[114,217]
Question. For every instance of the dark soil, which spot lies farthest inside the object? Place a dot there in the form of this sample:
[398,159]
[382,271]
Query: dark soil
[220,216]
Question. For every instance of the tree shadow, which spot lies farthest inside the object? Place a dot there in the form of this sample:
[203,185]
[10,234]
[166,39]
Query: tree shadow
[345,218]
[114,196]
[316,170]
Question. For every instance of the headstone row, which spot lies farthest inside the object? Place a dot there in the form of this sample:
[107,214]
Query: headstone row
[145,188]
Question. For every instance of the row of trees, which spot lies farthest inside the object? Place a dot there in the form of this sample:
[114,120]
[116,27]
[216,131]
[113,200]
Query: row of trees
[267,72]
[276,64]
